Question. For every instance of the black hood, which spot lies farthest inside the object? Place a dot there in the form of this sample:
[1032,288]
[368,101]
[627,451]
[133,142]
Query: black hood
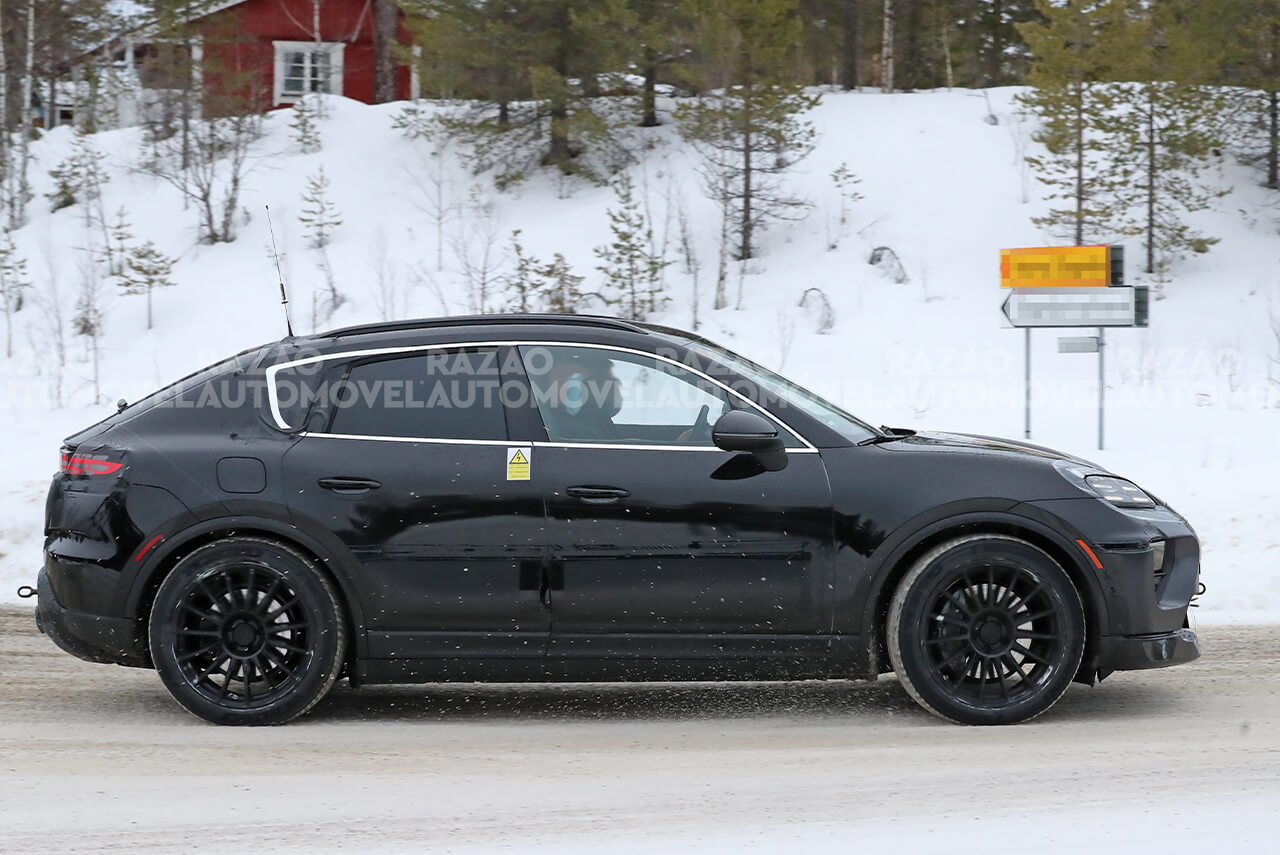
[975,444]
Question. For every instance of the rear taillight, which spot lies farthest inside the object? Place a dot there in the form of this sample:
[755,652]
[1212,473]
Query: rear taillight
[86,464]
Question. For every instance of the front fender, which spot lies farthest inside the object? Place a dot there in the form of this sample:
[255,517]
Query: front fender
[891,561]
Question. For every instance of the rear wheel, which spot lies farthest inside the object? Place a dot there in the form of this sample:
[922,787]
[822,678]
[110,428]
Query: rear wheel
[246,631]
[986,629]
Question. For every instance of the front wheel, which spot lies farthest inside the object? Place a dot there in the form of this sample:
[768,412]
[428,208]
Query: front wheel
[246,631]
[986,629]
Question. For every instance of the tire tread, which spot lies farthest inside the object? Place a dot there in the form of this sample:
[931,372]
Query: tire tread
[898,604]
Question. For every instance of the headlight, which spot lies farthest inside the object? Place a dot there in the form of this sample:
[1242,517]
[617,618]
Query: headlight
[1119,492]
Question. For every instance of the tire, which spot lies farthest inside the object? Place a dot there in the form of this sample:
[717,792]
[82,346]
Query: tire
[986,629]
[246,631]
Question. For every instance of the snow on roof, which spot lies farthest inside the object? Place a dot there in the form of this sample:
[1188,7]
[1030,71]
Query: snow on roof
[127,9]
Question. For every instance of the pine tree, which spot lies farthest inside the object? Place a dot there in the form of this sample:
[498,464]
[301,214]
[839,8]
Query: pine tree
[845,182]
[748,127]
[1252,69]
[146,270]
[996,35]
[851,36]
[633,274]
[533,286]
[13,286]
[319,216]
[1170,117]
[79,177]
[523,284]
[654,42]
[118,242]
[562,289]
[305,125]
[531,68]
[1076,52]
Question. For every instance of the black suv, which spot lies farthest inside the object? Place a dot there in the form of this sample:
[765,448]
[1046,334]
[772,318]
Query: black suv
[515,498]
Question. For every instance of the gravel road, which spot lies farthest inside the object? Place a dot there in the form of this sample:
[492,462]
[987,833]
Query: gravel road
[97,758]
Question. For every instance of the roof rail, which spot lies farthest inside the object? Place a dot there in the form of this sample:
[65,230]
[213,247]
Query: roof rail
[470,320]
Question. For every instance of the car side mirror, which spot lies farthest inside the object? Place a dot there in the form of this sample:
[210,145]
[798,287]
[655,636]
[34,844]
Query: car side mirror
[745,431]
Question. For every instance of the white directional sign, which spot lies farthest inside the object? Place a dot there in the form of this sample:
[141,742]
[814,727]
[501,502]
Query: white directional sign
[1078,344]
[1076,307]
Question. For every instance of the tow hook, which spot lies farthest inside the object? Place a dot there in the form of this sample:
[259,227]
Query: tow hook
[26,592]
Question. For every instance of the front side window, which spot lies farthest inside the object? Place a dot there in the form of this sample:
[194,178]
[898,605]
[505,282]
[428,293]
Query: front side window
[305,67]
[592,395]
[432,395]
[778,393]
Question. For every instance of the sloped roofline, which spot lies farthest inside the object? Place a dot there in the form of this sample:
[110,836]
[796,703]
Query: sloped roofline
[150,27]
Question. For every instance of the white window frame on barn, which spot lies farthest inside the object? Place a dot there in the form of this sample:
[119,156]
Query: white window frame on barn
[286,62]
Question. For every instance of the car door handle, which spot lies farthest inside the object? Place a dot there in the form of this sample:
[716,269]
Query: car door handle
[349,486]
[598,495]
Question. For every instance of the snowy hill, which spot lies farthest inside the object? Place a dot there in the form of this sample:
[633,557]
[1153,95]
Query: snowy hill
[1192,414]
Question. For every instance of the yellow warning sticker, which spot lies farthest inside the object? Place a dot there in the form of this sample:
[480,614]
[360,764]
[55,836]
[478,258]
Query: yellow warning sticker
[518,463]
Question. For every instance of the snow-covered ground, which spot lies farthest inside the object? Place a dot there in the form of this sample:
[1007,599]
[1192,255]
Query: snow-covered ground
[1191,413]
[100,759]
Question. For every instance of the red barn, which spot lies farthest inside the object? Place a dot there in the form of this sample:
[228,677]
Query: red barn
[267,52]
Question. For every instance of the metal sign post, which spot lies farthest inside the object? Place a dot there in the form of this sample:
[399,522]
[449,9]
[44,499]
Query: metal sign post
[1026,382]
[1064,287]
[1102,386]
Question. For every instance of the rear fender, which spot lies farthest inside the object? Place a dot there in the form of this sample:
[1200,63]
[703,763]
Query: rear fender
[203,524]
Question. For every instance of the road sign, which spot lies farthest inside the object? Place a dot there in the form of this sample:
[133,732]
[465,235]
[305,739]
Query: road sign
[1070,286]
[1078,344]
[1058,267]
[1076,307]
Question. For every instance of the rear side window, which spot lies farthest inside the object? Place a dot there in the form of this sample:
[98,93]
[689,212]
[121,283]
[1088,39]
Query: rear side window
[297,388]
[434,395]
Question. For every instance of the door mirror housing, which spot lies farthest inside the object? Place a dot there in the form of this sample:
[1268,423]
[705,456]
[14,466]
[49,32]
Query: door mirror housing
[745,431]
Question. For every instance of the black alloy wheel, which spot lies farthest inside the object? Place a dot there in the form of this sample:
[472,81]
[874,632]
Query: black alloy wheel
[986,629]
[246,631]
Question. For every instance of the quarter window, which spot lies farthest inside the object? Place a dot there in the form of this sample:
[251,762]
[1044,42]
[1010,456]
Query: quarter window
[433,395]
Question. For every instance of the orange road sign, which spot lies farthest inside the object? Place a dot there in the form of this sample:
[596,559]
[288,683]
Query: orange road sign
[1056,267]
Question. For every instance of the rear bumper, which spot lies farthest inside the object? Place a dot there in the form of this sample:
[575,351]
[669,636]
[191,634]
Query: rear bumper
[94,638]
[1139,652]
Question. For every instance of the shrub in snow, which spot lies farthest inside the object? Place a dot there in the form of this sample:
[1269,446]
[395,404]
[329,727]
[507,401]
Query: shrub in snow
[820,311]
[886,260]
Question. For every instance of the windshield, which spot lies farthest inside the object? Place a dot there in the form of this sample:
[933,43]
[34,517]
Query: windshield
[787,394]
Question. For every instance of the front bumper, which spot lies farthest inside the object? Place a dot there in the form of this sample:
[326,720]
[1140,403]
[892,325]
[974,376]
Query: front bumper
[1140,596]
[1138,652]
[94,638]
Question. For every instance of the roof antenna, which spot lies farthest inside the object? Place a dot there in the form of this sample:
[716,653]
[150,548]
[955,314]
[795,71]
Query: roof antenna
[275,253]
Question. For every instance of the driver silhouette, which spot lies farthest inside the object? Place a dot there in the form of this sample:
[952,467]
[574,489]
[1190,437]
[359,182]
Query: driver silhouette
[584,397]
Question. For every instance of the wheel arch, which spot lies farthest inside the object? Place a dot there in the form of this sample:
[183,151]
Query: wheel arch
[1055,543]
[182,541]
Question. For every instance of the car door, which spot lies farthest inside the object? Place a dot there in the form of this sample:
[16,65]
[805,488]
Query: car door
[409,469]
[662,546]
